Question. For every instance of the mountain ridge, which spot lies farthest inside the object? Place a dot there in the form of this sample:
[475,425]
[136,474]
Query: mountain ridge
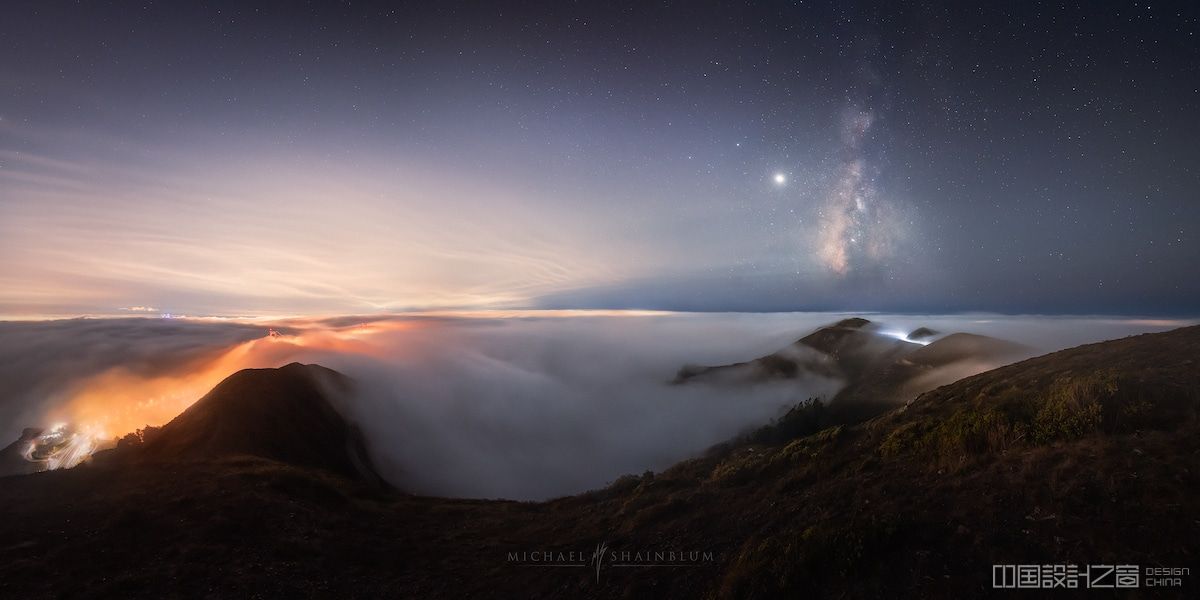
[880,370]
[285,414]
[1087,455]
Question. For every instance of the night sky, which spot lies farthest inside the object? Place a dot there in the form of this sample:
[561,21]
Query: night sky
[227,159]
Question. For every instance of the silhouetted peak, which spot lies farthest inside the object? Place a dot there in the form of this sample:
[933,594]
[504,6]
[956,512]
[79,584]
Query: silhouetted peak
[921,333]
[852,323]
[285,414]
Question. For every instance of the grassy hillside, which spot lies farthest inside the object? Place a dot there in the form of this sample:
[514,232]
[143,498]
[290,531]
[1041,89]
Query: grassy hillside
[1090,455]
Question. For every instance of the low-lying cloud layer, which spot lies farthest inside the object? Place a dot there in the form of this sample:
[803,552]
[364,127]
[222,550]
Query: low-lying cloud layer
[44,364]
[484,407]
[533,409]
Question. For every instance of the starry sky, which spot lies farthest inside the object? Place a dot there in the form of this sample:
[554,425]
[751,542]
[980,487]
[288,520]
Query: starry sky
[247,158]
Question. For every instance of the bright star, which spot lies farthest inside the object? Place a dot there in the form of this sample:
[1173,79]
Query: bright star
[780,179]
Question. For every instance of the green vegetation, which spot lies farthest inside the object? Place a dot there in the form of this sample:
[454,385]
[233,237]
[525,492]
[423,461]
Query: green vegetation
[999,418]
[139,437]
[805,418]
[1073,407]
[965,432]
[980,420]
[807,436]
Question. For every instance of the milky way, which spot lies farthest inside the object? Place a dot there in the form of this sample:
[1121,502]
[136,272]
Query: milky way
[855,227]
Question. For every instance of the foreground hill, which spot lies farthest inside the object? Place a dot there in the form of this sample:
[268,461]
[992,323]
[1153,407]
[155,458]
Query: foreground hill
[1085,456]
[285,414]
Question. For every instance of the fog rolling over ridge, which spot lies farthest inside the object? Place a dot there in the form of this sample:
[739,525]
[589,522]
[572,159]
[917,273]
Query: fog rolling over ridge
[521,408]
[532,409]
[46,364]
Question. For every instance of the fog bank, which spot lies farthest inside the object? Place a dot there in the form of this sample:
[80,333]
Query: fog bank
[526,408]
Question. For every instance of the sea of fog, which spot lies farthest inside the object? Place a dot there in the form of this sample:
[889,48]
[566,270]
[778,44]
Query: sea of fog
[525,406]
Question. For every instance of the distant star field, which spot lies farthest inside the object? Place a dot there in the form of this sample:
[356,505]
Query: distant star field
[235,159]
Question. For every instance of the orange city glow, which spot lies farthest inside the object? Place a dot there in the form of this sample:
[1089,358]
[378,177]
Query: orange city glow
[120,401]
